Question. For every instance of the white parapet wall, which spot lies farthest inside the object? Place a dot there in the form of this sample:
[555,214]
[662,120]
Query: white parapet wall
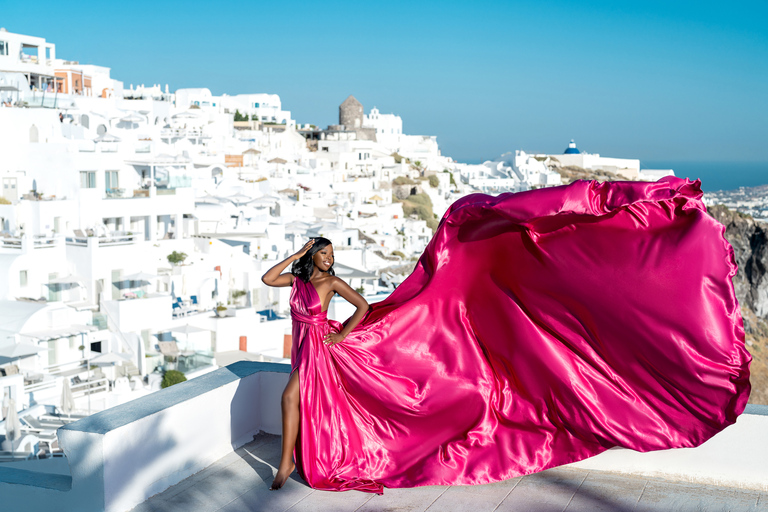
[736,457]
[120,457]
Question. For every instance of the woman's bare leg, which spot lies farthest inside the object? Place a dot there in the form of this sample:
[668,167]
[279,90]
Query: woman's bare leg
[290,405]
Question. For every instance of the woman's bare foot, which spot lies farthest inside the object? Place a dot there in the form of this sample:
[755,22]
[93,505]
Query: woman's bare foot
[281,477]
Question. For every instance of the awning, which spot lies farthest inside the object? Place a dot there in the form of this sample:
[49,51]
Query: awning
[344,271]
[60,332]
[71,278]
[139,276]
[17,350]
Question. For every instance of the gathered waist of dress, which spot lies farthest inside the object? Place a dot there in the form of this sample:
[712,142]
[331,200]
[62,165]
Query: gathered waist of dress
[318,319]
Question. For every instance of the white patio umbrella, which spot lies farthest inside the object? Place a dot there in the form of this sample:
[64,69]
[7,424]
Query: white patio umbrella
[132,118]
[140,276]
[19,350]
[69,278]
[110,359]
[185,115]
[12,425]
[143,277]
[186,330]
[67,400]
[239,198]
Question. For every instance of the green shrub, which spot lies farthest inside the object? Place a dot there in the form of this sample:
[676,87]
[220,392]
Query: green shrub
[403,180]
[172,377]
[176,257]
[434,181]
[4,201]
[398,254]
[420,199]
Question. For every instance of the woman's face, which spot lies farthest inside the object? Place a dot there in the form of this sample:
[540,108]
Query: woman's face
[323,259]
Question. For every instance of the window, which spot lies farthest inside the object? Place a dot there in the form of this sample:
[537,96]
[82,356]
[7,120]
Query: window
[54,290]
[110,180]
[87,179]
[3,47]
[255,105]
[23,278]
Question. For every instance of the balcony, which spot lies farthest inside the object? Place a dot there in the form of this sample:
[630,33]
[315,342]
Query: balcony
[24,244]
[114,239]
[212,444]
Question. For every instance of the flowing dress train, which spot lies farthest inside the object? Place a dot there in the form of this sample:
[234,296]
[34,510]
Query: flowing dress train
[538,329]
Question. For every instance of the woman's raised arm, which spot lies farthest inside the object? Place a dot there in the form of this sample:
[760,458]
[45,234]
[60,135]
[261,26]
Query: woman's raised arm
[275,276]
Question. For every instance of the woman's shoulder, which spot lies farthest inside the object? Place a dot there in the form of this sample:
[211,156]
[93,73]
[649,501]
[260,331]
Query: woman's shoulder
[326,280]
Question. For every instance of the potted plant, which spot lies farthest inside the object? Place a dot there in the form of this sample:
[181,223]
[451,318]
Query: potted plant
[220,310]
[172,377]
[236,294]
[176,258]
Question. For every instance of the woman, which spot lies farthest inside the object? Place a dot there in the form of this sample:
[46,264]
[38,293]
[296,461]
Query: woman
[537,329]
[312,273]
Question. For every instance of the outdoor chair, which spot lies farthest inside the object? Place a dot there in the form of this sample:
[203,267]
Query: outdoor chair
[11,369]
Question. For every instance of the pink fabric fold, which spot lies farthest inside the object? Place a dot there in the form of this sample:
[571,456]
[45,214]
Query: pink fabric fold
[538,329]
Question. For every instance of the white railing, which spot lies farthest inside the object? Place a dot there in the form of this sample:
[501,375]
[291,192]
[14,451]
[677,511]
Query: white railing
[40,386]
[90,387]
[36,243]
[109,241]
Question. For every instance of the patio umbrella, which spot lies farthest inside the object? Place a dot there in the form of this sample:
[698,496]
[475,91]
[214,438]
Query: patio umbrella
[132,118]
[12,425]
[67,400]
[239,198]
[188,329]
[110,359]
[19,350]
[69,278]
[140,276]
[185,115]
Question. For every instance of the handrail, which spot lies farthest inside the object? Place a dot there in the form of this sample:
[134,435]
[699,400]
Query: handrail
[90,387]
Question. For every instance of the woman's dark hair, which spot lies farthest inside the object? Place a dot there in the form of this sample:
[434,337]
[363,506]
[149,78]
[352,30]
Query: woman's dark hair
[303,267]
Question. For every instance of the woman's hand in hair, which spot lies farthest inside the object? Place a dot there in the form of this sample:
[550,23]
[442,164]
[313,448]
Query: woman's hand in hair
[305,249]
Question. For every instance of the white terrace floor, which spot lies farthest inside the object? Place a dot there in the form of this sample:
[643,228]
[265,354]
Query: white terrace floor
[239,482]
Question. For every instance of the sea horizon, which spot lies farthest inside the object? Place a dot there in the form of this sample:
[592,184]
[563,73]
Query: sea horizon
[714,175]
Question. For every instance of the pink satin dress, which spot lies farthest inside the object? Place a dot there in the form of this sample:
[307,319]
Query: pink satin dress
[538,329]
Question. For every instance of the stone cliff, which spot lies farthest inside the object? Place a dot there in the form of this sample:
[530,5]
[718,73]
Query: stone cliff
[749,239]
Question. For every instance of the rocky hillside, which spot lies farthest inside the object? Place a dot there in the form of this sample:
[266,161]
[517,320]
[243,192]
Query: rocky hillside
[749,239]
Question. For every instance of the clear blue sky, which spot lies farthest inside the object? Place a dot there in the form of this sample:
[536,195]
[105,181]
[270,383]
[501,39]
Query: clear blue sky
[652,80]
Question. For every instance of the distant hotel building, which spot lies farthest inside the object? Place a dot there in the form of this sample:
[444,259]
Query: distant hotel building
[627,167]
